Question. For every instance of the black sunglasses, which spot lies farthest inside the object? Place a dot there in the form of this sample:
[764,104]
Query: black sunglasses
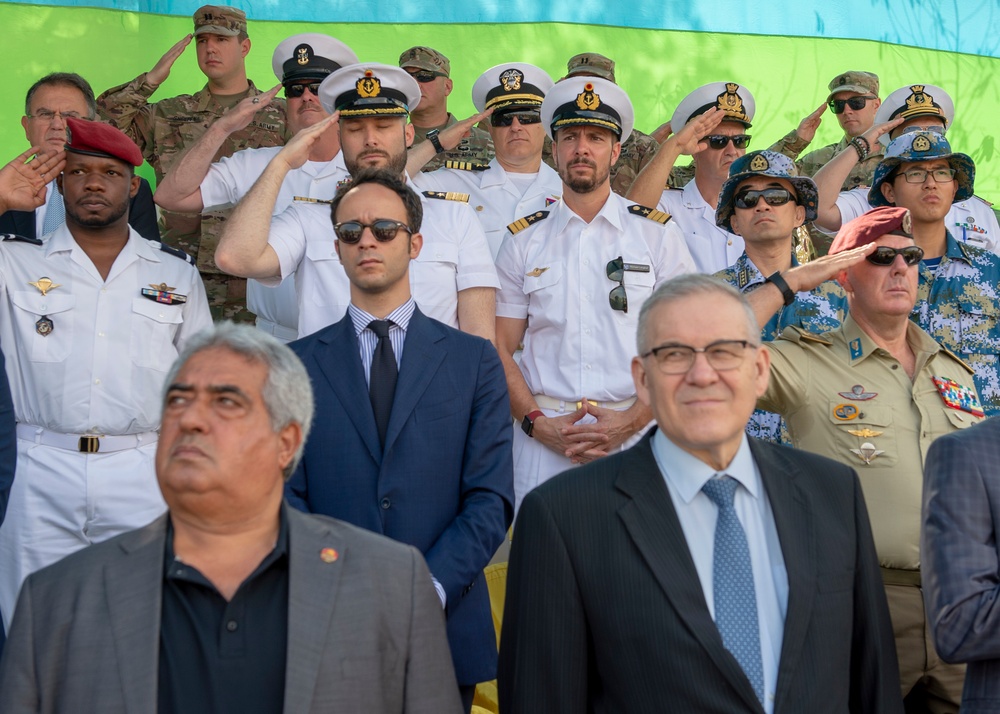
[616,272]
[884,255]
[507,118]
[384,230]
[425,75]
[771,196]
[719,141]
[855,103]
[293,91]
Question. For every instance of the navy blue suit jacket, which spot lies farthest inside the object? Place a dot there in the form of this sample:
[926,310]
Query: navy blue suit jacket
[444,482]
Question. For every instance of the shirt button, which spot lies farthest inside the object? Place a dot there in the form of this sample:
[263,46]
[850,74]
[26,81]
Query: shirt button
[385,503]
[586,262]
[97,381]
[104,290]
[587,367]
[100,334]
[895,366]
[232,625]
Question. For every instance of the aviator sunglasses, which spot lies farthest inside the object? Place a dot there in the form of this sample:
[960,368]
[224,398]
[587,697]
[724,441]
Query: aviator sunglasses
[855,103]
[507,118]
[384,230]
[293,91]
[885,256]
[425,75]
[771,196]
[719,141]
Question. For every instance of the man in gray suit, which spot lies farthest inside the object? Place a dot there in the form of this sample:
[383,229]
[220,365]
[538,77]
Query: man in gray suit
[960,548]
[231,602]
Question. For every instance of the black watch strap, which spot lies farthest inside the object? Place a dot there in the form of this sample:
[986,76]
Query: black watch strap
[779,282]
[432,136]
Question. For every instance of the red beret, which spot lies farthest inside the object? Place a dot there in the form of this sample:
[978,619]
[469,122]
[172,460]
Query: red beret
[869,227]
[95,138]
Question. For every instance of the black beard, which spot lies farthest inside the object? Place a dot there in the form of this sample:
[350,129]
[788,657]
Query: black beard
[582,184]
[396,164]
[97,221]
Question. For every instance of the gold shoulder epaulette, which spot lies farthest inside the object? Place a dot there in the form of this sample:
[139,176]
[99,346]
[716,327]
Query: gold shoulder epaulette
[650,213]
[465,166]
[984,201]
[307,199]
[521,223]
[793,333]
[448,196]
[958,359]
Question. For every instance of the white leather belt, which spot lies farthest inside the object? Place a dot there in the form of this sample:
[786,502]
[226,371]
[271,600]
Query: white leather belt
[561,405]
[283,333]
[85,443]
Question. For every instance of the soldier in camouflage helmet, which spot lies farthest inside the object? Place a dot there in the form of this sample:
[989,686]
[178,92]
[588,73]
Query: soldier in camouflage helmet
[163,130]
[432,70]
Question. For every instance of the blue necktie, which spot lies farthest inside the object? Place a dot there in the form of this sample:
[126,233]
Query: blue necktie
[732,577]
[382,378]
[55,214]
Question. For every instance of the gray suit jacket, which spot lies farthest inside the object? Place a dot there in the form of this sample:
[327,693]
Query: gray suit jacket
[365,633]
[960,554]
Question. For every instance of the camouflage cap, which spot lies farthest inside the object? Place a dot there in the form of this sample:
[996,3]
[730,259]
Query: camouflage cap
[922,146]
[854,81]
[765,163]
[219,20]
[869,227]
[591,64]
[426,58]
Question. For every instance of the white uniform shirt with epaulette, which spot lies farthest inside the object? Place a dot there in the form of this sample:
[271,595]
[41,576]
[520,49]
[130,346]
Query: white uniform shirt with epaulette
[493,195]
[971,221]
[230,179]
[455,257]
[846,398]
[712,248]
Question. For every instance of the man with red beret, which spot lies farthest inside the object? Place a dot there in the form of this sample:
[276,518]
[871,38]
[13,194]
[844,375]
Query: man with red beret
[874,393]
[90,322]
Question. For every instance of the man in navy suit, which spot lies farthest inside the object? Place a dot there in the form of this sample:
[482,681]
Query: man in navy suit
[412,436]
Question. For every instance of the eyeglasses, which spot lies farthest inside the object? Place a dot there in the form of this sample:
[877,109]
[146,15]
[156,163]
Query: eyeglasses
[507,118]
[293,91]
[771,196]
[425,75]
[885,256]
[719,141]
[616,272]
[920,175]
[855,103]
[47,115]
[384,230]
[722,356]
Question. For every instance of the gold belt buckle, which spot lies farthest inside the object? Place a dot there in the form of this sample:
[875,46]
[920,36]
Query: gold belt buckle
[89,444]
[589,401]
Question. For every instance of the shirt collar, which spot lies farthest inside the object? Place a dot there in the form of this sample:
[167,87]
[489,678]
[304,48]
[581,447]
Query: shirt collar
[688,474]
[860,346]
[399,317]
[609,212]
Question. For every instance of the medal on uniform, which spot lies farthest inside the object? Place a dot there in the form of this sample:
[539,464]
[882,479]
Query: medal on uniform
[43,285]
[163,293]
[868,452]
[845,412]
[956,396]
[858,393]
[44,326]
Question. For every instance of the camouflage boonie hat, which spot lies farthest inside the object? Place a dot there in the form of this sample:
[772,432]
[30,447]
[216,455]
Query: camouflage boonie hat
[854,81]
[765,163]
[922,146]
[425,58]
[219,20]
[591,63]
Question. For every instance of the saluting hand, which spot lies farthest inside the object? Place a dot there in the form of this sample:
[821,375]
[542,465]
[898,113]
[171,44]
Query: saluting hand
[689,139]
[296,152]
[161,70]
[806,129]
[23,181]
[451,137]
[240,116]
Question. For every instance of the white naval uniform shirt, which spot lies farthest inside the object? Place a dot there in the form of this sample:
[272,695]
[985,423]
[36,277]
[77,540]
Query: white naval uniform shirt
[230,179]
[713,248]
[970,221]
[495,198]
[455,257]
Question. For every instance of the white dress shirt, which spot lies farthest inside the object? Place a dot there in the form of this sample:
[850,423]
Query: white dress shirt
[713,248]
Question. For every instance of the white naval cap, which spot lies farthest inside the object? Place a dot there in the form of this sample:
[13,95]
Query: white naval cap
[589,101]
[310,56]
[915,100]
[514,84]
[736,101]
[370,89]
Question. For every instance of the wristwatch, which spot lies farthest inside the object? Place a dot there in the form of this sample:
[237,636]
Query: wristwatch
[432,136]
[528,423]
[779,282]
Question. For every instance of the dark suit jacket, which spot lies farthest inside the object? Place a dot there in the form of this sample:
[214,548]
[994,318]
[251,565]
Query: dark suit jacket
[605,612]
[444,483]
[365,632]
[960,553]
[141,216]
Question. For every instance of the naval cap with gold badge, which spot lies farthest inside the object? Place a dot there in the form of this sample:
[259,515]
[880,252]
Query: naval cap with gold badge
[734,99]
[95,138]
[922,146]
[588,101]
[915,100]
[514,85]
[369,89]
[310,55]
[771,164]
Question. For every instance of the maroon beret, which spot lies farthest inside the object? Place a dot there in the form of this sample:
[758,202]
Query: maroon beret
[95,138]
[869,227]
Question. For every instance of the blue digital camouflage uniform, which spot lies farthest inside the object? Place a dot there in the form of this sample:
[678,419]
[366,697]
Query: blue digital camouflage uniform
[820,310]
[958,305]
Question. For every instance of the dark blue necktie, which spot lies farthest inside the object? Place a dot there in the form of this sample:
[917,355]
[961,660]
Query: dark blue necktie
[732,584]
[382,378]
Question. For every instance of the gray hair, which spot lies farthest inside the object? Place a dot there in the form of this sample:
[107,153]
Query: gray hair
[686,286]
[64,79]
[287,393]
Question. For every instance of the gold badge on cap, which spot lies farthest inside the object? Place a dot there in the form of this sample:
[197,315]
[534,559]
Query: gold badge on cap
[302,54]
[759,163]
[588,99]
[511,80]
[730,102]
[369,85]
[921,143]
[44,285]
[919,99]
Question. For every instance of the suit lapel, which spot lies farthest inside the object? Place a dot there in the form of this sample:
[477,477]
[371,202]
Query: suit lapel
[652,523]
[133,583]
[340,363]
[312,591]
[24,223]
[422,357]
[794,523]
